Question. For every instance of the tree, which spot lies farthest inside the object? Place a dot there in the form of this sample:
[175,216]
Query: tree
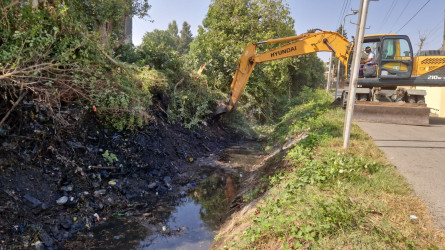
[158,50]
[185,39]
[173,31]
[335,60]
[227,28]
[50,52]
[108,17]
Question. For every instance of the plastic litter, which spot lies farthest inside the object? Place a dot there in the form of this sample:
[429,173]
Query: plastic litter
[97,216]
[38,244]
[413,217]
[62,200]
[164,228]
[68,188]
[100,192]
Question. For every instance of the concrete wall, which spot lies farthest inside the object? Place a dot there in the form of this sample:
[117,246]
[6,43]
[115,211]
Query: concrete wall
[435,99]
[128,26]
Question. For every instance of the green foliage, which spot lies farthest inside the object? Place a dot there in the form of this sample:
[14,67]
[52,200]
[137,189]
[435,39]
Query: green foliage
[191,102]
[110,158]
[185,39]
[162,49]
[228,27]
[251,195]
[126,53]
[326,192]
[107,17]
[58,51]
[153,81]
[306,106]
[158,50]
[120,111]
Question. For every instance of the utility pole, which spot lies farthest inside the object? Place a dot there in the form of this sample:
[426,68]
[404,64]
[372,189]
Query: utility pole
[329,73]
[354,12]
[354,71]
[443,41]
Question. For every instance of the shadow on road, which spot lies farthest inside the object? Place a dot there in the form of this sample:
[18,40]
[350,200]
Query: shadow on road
[437,121]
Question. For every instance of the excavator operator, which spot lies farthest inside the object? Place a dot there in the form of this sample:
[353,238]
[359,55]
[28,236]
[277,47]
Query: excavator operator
[368,62]
[371,56]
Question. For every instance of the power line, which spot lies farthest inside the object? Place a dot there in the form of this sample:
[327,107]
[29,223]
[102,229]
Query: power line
[413,16]
[388,13]
[342,12]
[435,28]
[349,4]
[394,25]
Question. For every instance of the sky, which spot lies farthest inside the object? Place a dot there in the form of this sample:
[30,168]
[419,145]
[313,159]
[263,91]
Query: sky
[415,18]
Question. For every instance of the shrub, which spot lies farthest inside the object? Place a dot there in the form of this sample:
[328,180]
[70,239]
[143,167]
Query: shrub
[192,101]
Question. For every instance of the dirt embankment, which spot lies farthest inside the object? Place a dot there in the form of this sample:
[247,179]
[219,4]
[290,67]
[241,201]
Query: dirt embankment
[57,181]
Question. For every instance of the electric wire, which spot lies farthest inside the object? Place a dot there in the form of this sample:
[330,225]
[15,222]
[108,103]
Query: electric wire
[397,19]
[436,27]
[349,4]
[388,13]
[413,16]
[342,12]
[428,38]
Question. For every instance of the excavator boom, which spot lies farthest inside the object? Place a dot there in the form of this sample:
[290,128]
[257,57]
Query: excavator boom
[298,45]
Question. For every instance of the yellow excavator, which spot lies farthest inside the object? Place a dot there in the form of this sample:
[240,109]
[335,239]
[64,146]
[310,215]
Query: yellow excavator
[386,90]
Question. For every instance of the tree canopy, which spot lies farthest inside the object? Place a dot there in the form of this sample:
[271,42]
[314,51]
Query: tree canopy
[227,28]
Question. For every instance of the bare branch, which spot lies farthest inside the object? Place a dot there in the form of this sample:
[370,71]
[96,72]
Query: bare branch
[13,107]
[13,2]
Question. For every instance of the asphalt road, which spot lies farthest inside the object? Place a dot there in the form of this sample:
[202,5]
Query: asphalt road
[418,152]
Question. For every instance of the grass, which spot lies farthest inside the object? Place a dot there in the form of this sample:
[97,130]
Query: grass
[332,198]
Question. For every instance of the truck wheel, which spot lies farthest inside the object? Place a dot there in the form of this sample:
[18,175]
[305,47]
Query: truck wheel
[421,99]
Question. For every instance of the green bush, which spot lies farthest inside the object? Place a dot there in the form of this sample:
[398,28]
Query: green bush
[192,102]
[65,62]
[120,111]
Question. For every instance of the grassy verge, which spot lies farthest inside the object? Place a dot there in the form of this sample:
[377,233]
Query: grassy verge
[331,198]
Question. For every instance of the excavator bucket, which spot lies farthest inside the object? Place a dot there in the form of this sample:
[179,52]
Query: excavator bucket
[389,112]
[222,106]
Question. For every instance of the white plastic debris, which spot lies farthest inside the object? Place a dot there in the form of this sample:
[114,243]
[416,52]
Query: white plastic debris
[62,200]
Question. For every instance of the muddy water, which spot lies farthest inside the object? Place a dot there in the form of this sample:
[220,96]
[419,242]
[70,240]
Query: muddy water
[191,223]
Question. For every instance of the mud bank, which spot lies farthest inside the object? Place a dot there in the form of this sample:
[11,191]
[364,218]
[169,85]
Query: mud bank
[58,181]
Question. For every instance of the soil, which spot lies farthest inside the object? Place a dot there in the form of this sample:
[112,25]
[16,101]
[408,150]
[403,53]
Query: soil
[57,181]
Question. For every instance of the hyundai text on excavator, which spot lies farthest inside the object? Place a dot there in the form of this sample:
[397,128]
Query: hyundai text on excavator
[386,91]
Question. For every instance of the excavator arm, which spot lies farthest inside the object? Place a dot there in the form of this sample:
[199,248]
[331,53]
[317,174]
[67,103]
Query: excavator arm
[298,45]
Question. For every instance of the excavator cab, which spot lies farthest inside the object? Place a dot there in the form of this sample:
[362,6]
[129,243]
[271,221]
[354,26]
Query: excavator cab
[393,57]
[397,57]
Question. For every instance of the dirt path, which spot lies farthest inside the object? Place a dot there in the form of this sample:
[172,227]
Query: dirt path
[418,152]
